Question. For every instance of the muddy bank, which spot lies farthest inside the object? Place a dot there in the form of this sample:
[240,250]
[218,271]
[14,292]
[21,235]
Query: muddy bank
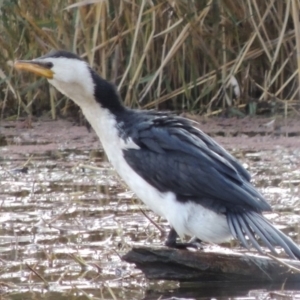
[233,133]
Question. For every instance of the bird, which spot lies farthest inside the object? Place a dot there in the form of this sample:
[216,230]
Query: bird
[177,170]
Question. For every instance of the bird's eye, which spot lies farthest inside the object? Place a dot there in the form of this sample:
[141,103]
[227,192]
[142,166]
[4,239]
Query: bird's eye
[48,65]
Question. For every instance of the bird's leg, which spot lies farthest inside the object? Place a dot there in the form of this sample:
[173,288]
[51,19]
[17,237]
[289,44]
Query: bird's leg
[171,239]
[172,243]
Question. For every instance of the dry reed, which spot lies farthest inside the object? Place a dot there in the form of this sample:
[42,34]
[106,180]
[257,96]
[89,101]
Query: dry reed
[176,54]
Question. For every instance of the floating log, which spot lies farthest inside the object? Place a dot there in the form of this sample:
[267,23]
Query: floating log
[191,266]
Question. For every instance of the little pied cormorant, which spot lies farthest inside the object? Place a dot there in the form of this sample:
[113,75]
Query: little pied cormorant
[173,167]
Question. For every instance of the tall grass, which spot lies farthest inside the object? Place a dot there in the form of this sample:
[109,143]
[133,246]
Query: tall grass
[177,54]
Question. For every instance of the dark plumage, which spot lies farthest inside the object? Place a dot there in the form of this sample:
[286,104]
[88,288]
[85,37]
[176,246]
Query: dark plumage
[176,156]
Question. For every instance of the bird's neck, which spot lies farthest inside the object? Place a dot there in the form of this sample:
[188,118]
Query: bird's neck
[93,89]
[106,95]
[106,124]
[104,111]
[100,104]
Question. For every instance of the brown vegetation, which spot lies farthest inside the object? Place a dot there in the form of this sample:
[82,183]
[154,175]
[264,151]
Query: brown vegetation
[175,54]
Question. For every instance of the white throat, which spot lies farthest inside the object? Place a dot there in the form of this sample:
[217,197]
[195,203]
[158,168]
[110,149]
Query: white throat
[106,127]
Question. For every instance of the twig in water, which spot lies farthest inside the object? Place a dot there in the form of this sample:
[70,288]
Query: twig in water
[162,231]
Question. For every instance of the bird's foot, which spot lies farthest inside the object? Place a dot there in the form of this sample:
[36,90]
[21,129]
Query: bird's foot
[172,242]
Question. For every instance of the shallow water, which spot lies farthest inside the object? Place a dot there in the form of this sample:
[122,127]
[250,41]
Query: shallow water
[67,219]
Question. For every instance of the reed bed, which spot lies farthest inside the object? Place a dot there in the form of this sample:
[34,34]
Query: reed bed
[208,57]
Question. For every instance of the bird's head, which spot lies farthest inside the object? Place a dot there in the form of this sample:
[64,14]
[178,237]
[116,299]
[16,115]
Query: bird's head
[73,77]
[64,70]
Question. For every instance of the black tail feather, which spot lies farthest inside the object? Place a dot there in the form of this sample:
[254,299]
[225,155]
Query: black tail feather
[267,240]
[272,232]
[254,225]
[236,230]
[243,228]
[248,231]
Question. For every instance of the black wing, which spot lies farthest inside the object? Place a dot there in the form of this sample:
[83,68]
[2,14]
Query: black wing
[176,156]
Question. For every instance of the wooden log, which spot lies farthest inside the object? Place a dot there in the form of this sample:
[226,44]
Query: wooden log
[186,266]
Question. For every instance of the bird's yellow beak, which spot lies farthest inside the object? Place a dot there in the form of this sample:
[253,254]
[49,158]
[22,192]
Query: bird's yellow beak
[34,67]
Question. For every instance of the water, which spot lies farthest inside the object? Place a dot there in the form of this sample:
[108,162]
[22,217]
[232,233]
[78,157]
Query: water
[67,219]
